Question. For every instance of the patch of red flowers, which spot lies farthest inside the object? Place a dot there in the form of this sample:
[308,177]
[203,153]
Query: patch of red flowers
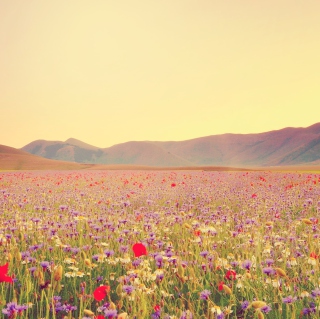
[314,255]
[139,250]
[197,232]
[3,274]
[156,308]
[101,292]
[231,275]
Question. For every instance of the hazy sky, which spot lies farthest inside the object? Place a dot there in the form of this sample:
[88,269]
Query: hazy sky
[107,72]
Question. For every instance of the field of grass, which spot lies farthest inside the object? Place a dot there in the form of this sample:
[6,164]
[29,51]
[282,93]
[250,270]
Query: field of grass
[159,244]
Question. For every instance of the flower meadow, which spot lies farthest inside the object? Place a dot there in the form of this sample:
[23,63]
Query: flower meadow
[159,244]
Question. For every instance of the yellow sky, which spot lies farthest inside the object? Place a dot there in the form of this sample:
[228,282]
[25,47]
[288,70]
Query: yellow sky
[107,72]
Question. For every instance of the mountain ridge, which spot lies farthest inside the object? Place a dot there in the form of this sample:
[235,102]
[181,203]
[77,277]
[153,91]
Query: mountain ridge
[286,146]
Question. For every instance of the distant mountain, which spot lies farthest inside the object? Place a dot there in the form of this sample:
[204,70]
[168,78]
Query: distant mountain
[288,146]
[14,159]
[71,150]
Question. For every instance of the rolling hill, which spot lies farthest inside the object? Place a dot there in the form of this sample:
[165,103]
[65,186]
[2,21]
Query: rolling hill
[288,146]
[14,159]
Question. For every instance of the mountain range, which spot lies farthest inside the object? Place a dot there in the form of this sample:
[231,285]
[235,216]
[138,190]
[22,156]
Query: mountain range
[288,146]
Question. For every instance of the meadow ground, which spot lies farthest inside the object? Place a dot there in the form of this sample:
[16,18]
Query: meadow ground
[159,244]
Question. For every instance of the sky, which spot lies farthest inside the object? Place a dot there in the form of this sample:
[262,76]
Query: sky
[107,72]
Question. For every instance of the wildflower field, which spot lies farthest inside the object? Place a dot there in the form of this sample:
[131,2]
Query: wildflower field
[159,244]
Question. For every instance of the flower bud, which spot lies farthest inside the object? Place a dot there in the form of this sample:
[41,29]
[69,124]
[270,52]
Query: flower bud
[87,262]
[258,304]
[58,273]
[280,272]
[307,221]
[88,312]
[226,289]
[112,306]
[119,290]
[260,315]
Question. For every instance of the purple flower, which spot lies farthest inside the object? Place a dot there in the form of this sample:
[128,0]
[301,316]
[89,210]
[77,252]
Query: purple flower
[110,313]
[99,278]
[123,249]
[204,295]
[247,264]
[315,293]
[13,309]
[136,262]
[244,305]
[65,308]
[128,289]
[158,260]
[156,314]
[45,264]
[269,262]
[268,271]
[308,311]
[32,269]
[266,309]
[109,253]
[186,315]
[204,253]
[289,299]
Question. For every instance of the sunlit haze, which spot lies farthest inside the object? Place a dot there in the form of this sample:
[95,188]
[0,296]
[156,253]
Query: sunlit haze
[107,72]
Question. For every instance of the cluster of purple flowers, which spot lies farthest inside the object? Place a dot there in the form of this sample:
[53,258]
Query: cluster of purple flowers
[12,309]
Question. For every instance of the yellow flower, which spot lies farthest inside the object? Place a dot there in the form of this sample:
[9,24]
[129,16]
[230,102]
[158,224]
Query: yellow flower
[304,294]
[228,310]
[79,274]
[216,309]
[312,261]
[293,261]
[70,261]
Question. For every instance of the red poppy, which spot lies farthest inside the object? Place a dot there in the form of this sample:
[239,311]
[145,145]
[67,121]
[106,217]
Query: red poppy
[139,250]
[99,317]
[253,195]
[197,232]
[156,308]
[231,275]
[173,185]
[220,286]
[3,274]
[314,255]
[101,292]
